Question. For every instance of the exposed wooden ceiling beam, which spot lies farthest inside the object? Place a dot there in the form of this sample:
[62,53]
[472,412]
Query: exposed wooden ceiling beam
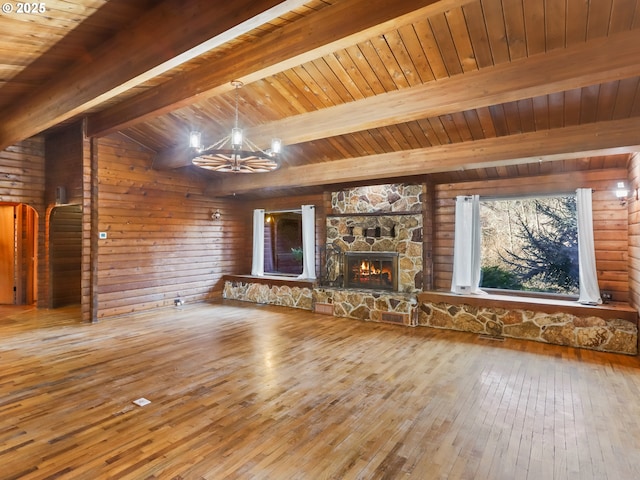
[591,63]
[157,43]
[597,61]
[602,138]
[338,26]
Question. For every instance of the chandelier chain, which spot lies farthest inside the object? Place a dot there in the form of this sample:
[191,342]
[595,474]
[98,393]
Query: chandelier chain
[237,85]
[228,154]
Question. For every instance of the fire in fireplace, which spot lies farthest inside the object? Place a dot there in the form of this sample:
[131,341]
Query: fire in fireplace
[373,270]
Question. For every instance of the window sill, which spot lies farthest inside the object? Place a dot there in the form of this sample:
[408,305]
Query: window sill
[547,305]
[523,294]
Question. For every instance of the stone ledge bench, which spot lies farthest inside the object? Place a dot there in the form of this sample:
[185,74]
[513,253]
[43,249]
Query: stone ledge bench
[282,290]
[611,327]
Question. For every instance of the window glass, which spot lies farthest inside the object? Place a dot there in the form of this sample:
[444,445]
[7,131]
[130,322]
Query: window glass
[283,243]
[530,244]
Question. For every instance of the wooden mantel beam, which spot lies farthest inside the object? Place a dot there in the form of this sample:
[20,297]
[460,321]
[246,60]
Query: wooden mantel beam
[340,25]
[602,138]
[598,61]
[157,43]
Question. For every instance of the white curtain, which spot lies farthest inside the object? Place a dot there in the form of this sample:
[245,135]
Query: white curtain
[589,289]
[257,264]
[466,246]
[308,242]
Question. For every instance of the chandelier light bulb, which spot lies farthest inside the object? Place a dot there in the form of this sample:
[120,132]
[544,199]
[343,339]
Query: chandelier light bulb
[195,140]
[236,137]
[276,146]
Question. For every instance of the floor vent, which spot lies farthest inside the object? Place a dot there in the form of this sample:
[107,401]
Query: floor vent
[324,308]
[497,338]
[397,318]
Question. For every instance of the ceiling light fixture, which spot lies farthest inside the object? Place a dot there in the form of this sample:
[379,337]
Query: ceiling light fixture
[234,153]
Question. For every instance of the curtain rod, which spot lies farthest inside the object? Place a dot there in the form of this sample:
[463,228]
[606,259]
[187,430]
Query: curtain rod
[291,210]
[517,196]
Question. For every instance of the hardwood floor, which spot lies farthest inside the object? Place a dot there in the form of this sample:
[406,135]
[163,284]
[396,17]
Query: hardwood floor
[255,392]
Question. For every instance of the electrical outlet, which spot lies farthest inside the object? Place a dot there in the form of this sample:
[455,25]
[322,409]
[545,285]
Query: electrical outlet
[102,235]
[141,402]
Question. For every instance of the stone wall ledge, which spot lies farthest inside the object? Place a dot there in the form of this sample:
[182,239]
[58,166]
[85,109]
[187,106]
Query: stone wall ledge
[271,291]
[607,311]
[289,280]
[608,328]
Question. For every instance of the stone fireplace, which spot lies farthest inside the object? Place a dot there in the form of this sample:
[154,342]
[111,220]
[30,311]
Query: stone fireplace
[378,224]
[371,270]
[373,259]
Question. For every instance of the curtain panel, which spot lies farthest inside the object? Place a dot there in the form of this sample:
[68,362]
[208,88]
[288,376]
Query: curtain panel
[257,263]
[308,242]
[466,247]
[589,288]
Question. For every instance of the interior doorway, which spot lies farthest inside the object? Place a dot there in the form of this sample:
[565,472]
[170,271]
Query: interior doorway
[65,253]
[18,254]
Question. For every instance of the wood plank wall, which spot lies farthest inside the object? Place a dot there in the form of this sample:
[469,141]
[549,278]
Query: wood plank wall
[89,226]
[22,168]
[63,165]
[63,153]
[634,233]
[293,202]
[23,182]
[610,221]
[161,240]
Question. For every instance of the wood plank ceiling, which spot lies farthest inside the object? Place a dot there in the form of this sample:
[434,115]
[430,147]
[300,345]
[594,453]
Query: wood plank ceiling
[357,89]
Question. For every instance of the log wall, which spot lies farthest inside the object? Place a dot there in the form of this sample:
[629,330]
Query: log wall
[63,263]
[609,217]
[63,153]
[161,240]
[634,233]
[22,179]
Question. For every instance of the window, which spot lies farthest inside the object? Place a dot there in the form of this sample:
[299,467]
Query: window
[283,243]
[530,244]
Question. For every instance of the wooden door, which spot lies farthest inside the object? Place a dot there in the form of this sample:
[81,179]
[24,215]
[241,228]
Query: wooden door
[30,253]
[26,225]
[7,254]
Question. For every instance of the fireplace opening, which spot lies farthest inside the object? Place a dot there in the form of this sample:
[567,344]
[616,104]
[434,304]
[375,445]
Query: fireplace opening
[373,270]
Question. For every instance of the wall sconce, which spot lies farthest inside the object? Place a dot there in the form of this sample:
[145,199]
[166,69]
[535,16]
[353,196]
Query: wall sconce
[216,215]
[61,195]
[622,193]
